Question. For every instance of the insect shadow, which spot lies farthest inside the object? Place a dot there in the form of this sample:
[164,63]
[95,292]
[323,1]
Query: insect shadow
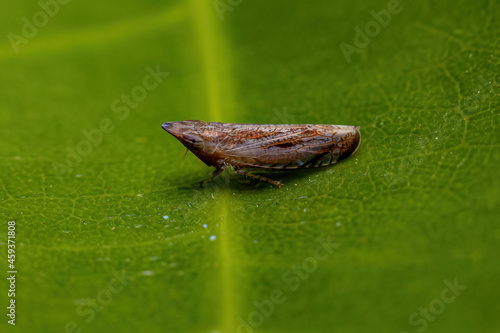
[287,177]
[187,181]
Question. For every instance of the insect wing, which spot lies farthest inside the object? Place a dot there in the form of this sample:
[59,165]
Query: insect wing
[287,146]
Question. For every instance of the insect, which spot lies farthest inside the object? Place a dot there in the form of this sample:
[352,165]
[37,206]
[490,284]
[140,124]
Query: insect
[243,146]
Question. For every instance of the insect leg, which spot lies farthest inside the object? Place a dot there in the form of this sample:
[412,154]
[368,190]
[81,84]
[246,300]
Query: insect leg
[216,172]
[261,178]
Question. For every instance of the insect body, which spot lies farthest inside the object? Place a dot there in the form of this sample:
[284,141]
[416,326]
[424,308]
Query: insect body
[265,146]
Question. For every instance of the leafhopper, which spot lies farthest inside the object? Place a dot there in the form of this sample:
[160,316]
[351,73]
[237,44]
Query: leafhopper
[265,146]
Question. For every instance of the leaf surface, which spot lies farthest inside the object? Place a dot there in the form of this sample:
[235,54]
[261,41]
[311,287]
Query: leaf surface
[122,236]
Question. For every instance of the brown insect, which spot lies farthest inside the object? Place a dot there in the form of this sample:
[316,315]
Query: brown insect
[265,146]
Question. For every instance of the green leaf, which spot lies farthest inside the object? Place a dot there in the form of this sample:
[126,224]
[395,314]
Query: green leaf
[113,230]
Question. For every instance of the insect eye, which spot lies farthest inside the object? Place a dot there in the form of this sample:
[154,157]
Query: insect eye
[193,140]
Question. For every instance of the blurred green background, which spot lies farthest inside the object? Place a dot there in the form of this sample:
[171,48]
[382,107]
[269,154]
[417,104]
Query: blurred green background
[114,233]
